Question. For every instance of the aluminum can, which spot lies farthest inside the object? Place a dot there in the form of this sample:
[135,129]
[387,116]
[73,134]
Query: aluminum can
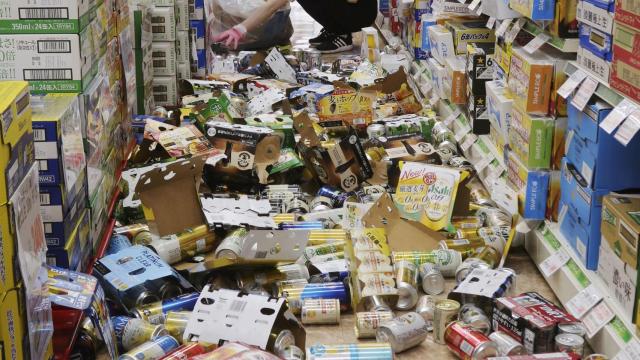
[292,352]
[473,317]
[376,303]
[461,245]
[375,131]
[368,322]
[283,340]
[321,203]
[570,343]
[131,332]
[426,307]
[155,312]
[507,346]
[320,311]
[313,59]
[406,274]
[403,332]
[446,312]
[176,322]
[297,293]
[446,260]
[152,350]
[572,328]
[231,245]
[186,351]
[469,344]
[432,279]
[361,351]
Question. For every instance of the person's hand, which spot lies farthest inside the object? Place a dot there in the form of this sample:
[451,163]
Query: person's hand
[232,37]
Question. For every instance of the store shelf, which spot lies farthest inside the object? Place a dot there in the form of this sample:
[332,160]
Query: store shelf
[564,45]
[572,278]
[64,339]
[603,91]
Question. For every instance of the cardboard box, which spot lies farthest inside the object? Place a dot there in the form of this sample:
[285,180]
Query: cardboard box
[71,255]
[534,9]
[564,24]
[530,79]
[198,28]
[445,8]
[165,90]
[163,23]
[196,9]
[43,17]
[531,138]
[9,266]
[51,63]
[60,215]
[499,105]
[16,147]
[596,41]
[498,9]
[592,14]
[598,156]
[441,42]
[14,335]
[183,49]
[585,202]
[480,69]
[455,82]
[142,26]
[583,238]
[438,74]
[182,15]
[596,66]
[532,187]
[628,13]
[164,58]
[470,32]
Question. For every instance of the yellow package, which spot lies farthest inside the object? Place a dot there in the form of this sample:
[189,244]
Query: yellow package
[427,193]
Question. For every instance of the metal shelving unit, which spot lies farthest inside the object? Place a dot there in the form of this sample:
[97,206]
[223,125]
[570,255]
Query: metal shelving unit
[564,45]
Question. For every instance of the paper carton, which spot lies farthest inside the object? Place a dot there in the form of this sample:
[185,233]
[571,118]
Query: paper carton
[470,32]
[164,58]
[534,9]
[530,79]
[441,41]
[163,23]
[531,138]
[42,17]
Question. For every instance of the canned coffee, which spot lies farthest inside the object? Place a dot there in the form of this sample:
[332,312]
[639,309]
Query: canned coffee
[446,312]
[368,322]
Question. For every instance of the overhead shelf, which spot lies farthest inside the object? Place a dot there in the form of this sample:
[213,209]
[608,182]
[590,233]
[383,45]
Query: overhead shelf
[571,278]
[564,45]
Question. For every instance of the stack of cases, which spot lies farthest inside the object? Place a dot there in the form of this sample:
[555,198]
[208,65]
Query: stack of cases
[480,70]
[595,164]
[183,39]
[59,151]
[417,40]
[163,53]
[626,51]
[596,37]
[143,58]
[197,41]
[17,160]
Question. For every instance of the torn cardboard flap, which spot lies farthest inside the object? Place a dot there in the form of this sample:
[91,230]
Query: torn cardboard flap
[402,235]
[390,83]
[169,195]
[304,126]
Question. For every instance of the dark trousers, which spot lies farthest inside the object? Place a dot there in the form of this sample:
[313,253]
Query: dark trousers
[341,17]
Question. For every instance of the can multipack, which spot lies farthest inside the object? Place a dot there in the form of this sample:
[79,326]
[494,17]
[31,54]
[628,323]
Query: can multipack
[530,319]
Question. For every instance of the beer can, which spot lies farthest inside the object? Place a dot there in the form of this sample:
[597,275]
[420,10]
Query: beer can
[507,346]
[297,293]
[130,231]
[143,237]
[440,133]
[376,303]
[283,340]
[597,357]
[313,59]
[375,131]
[155,312]
[321,203]
[292,352]
[297,205]
[186,351]
[231,245]
[479,194]
[460,162]
[312,252]
[406,274]
[461,245]
[131,332]
[467,222]
[488,255]
[183,245]
[572,328]
[473,317]
[446,260]
[169,288]
[141,296]
[151,350]
[360,351]
[176,322]
[494,216]
[426,307]
[320,311]
[432,279]
[298,53]
[570,343]
[336,195]
[86,346]
[117,243]
[368,322]
[511,289]
[496,242]
[446,312]
[467,266]
[404,332]
[469,344]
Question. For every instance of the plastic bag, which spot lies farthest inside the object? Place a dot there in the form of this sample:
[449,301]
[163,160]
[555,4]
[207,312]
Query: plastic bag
[224,14]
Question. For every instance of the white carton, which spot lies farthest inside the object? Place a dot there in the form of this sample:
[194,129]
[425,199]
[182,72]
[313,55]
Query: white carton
[619,278]
[163,23]
[183,50]
[165,90]
[499,9]
[441,41]
[44,16]
[597,66]
[183,71]
[499,105]
[182,15]
[164,58]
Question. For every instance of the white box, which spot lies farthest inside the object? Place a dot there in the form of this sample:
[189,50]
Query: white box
[183,70]
[499,9]
[183,50]
[444,7]
[51,63]
[438,75]
[618,278]
[596,66]
[44,16]
[164,58]
[182,15]
[499,105]
[441,41]
[595,17]
[165,90]
[163,23]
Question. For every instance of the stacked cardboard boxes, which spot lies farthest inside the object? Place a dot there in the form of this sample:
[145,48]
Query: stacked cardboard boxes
[626,49]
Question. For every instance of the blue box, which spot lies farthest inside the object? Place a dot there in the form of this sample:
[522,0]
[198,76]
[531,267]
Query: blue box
[58,224]
[198,27]
[585,202]
[196,9]
[535,9]
[73,255]
[583,238]
[597,42]
[608,5]
[604,162]
[532,187]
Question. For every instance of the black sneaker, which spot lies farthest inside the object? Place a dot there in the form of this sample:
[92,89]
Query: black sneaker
[337,43]
[322,37]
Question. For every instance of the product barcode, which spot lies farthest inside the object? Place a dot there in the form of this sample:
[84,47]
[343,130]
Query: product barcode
[158,20]
[158,29]
[160,98]
[43,13]
[159,63]
[38,134]
[47,74]
[45,199]
[237,306]
[43,165]
[160,89]
[54,46]
[158,54]
[48,228]
[261,255]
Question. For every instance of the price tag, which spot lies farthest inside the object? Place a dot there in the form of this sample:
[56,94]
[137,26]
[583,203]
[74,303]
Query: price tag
[567,142]
[629,128]
[462,132]
[484,162]
[583,301]
[504,196]
[474,4]
[597,318]
[554,262]
[617,115]
[479,11]
[491,22]
[584,93]
[425,87]
[515,29]
[536,43]
[468,141]
[572,82]
[434,100]
[452,117]
[502,28]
